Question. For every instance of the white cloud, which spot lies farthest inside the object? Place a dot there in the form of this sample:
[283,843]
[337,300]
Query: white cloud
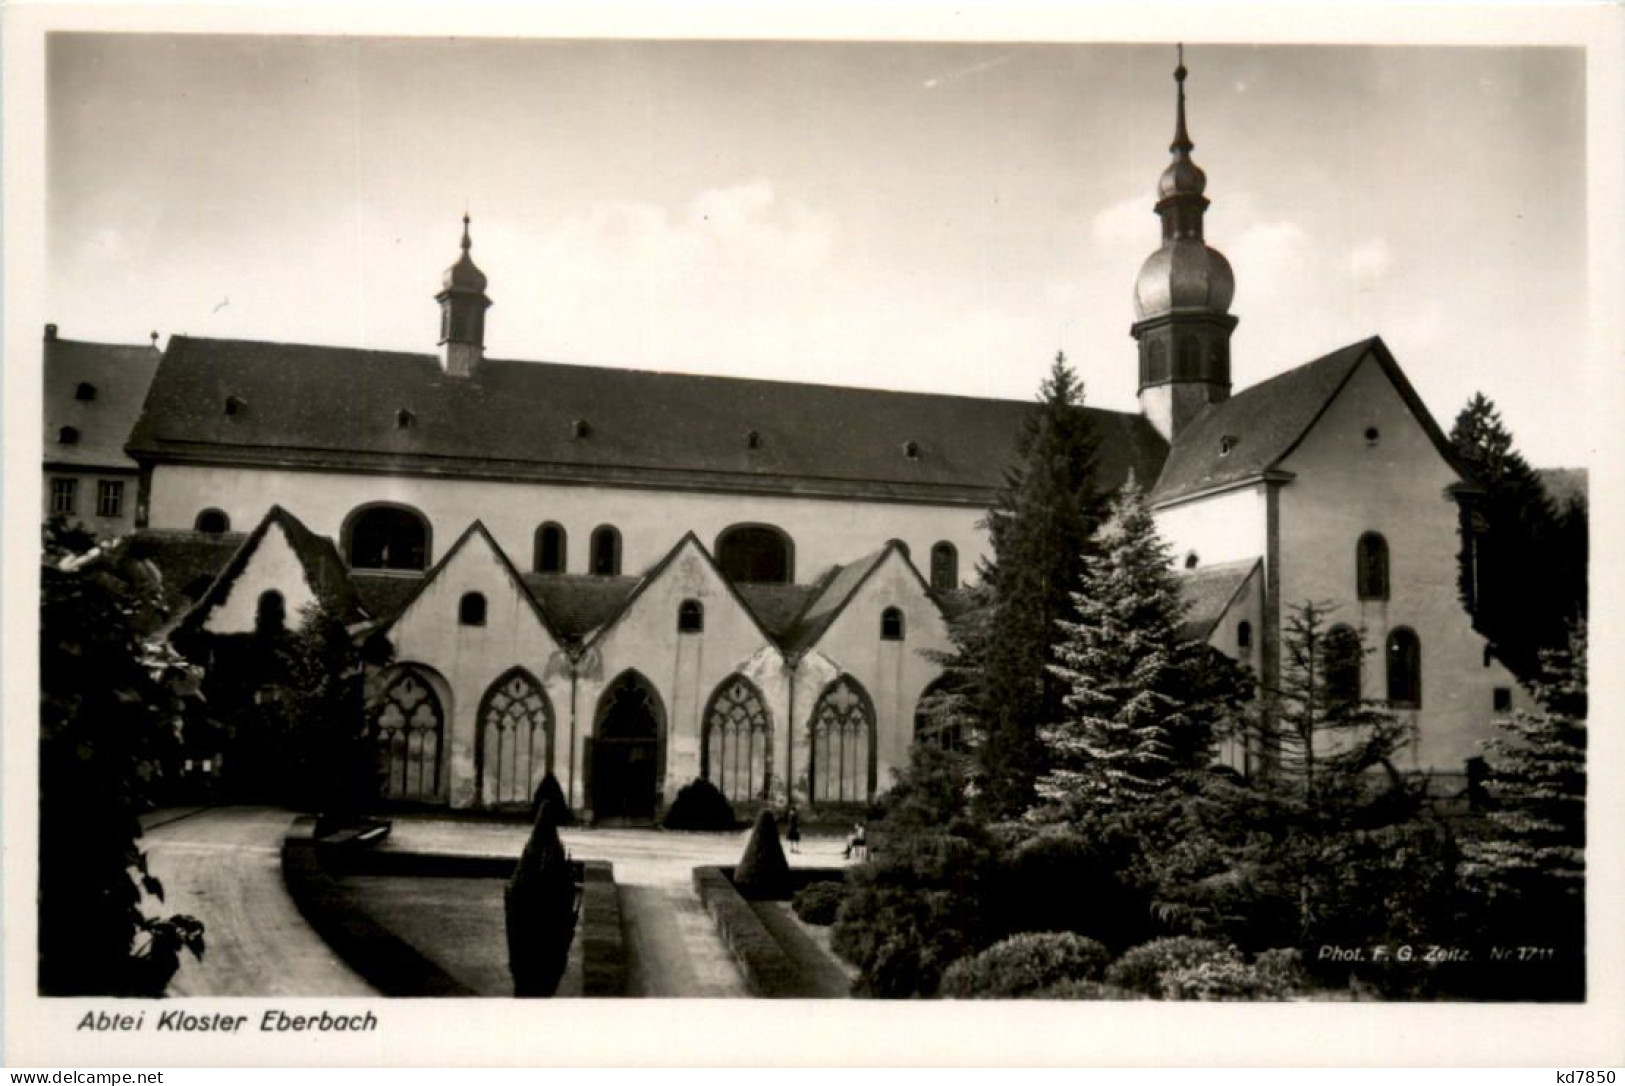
[1370,259]
[1128,220]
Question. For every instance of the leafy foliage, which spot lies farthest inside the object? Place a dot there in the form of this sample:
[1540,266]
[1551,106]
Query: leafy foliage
[1143,702]
[1024,964]
[1523,571]
[819,902]
[1143,968]
[540,907]
[1040,527]
[323,699]
[917,905]
[700,805]
[763,872]
[112,707]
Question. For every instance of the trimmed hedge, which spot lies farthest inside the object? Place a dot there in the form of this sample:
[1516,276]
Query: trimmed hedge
[1025,964]
[1144,968]
[818,902]
[698,805]
[767,969]
[603,945]
[763,873]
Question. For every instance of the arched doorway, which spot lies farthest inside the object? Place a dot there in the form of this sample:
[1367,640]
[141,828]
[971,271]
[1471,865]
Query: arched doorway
[513,749]
[842,768]
[736,747]
[628,756]
[409,728]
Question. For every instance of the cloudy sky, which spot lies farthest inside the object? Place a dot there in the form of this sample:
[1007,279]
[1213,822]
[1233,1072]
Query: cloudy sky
[935,217]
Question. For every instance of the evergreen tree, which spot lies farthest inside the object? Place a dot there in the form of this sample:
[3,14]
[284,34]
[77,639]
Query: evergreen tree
[1141,705]
[326,722]
[1529,866]
[1041,526]
[1522,575]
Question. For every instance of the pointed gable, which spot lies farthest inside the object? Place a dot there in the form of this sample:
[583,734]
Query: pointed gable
[1209,593]
[836,591]
[280,555]
[688,570]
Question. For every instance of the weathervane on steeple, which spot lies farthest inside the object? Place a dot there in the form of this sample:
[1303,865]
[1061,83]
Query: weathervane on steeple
[1182,139]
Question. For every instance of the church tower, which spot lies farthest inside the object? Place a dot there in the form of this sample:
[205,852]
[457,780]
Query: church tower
[1182,297]
[462,314]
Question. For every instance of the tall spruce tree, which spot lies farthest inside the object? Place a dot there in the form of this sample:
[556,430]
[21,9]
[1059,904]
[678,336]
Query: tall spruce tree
[1523,575]
[1041,527]
[1142,701]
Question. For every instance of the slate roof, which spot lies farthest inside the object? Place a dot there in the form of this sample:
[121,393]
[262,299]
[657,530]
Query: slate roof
[578,603]
[120,375]
[1209,591]
[778,606]
[187,562]
[1268,420]
[338,408]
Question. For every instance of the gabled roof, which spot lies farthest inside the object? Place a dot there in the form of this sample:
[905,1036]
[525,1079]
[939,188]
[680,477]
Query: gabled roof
[477,530]
[835,590]
[119,375]
[187,562]
[324,570]
[339,408]
[1208,593]
[579,603]
[1266,422]
[777,606]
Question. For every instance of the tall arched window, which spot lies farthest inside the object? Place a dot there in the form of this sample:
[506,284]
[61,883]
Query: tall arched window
[471,609]
[606,551]
[513,748]
[1371,567]
[756,552]
[550,548]
[1340,654]
[1404,669]
[736,749]
[408,728]
[842,725]
[944,566]
[690,617]
[212,522]
[386,536]
[891,624]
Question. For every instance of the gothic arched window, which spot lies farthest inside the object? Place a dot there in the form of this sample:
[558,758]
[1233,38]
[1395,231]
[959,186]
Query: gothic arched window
[550,548]
[756,552]
[514,746]
[408,728]
[842,768]
[736,746]
[1371,567]
[1404,669]
[944,566]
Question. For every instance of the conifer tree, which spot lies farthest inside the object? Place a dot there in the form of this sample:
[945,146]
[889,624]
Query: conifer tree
[1141,706]
[1040,527]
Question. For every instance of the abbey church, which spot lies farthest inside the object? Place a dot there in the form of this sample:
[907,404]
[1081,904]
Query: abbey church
[634,579]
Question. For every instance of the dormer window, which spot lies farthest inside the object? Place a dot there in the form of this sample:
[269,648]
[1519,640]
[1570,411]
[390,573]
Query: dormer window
[580,429]
[85,392]
[753,439]
[1226,444]
[236,405]
[911,450]
[68,435]
[405,419]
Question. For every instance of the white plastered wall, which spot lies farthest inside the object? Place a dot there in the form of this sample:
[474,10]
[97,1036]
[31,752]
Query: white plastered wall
[273,567]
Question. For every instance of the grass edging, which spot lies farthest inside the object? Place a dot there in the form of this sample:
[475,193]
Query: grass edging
[383,959]
[767,970]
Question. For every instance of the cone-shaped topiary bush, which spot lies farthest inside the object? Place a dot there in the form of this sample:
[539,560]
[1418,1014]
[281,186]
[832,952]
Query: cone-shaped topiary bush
[541,910]
[550,791]
[700,806]
[763,873]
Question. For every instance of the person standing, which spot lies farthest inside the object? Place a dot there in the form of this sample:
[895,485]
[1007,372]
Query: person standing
[792,832]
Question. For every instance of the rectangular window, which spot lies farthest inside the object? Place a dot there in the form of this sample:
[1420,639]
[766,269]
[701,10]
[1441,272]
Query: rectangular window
[110,498]
[1503,699]
[64,496]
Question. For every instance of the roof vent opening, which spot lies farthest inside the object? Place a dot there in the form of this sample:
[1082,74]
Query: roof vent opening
[1227,443]
[1192,560]
[753,439]
[1372,435]
[911,449]
[579,428]
[85,392]
[68,435]
[405,419]
[236,405]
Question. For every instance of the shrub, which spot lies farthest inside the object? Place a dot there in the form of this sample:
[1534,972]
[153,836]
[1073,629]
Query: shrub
[1143,968]
[549,791]
[763,872]
[818,902]
[700,806]
[1063,880]
[1281,970]
[1085,989]
[540,909]
[1023,964]
[1215,979]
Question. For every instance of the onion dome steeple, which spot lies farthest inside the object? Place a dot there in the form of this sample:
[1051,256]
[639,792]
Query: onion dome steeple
[462,313]
[1182,295]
